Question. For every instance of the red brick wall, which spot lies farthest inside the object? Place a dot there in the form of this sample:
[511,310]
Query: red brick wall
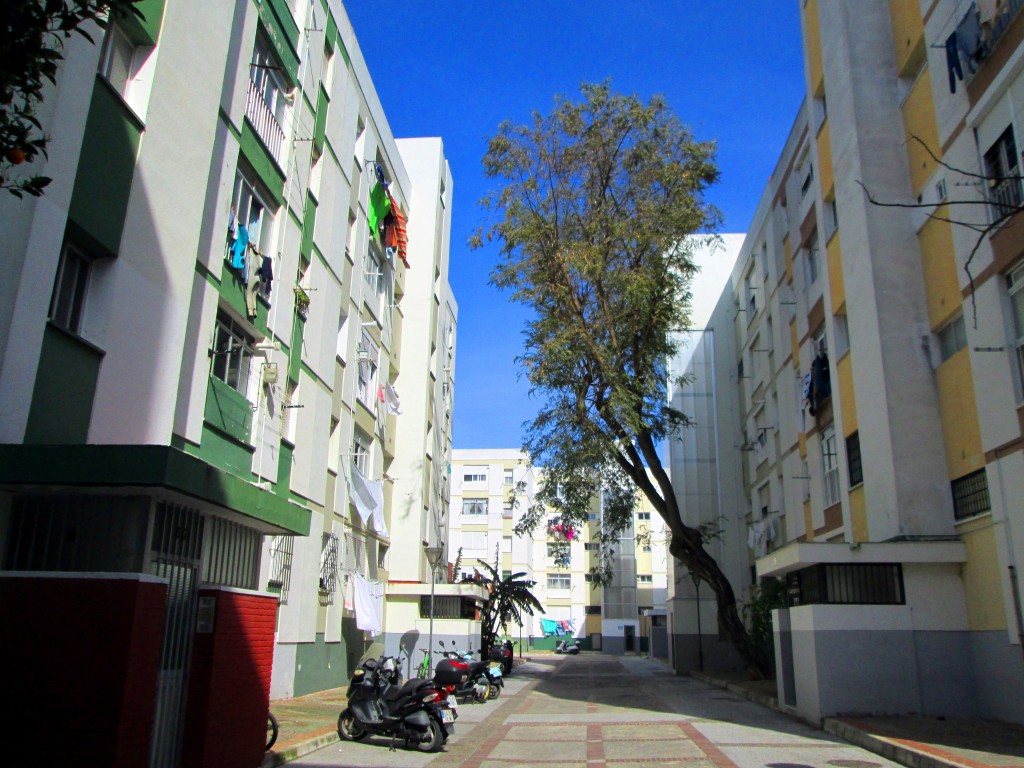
[229,685]
[81,655]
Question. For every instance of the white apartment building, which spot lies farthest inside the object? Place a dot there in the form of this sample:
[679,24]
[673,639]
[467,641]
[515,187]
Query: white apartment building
[227,342]
[616,618]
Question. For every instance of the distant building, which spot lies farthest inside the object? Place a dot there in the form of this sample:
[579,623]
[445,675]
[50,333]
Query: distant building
[615,618]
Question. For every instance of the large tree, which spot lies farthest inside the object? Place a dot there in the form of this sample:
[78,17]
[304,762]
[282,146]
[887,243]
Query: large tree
[32,36]
[597,214]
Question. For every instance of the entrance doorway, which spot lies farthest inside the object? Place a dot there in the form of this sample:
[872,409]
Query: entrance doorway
[630,631]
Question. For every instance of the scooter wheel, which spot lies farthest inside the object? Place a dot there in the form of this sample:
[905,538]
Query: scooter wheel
[434,739]
[349,728]
[494,691]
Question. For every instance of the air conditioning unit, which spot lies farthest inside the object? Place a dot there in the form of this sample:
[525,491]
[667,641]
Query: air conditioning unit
[270,373]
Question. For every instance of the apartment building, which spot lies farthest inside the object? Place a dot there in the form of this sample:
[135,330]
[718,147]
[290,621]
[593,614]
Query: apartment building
[866,367]
[227,342]
[491,489]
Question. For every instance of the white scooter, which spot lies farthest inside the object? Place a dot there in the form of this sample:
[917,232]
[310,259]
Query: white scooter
[572,647]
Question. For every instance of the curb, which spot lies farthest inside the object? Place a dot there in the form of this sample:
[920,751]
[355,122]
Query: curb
[295,751]
[885,748]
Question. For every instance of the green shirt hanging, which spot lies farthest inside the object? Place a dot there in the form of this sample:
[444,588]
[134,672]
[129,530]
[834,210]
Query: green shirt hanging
[380,205]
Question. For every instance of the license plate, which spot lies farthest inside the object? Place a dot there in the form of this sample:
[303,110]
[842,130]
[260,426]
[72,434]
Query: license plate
[447,716]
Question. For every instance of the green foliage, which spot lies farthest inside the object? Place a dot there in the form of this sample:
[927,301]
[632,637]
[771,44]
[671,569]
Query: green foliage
[508,599]
[32,36]
[764,598]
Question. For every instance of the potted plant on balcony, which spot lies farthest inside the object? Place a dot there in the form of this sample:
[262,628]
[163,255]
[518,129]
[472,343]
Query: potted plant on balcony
[301,301]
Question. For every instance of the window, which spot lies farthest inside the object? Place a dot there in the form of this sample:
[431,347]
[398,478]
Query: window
[806,185]
[232,354]
[474,475]
[1016,290]
[853,461]
[474,540]
[831,218]
[369,356]
[267,102]
[505,575]
[811,261]
[373,269]
[250,211]
[970,495]
[506,543]
[842,333]
[644,578]
[361,451]
[117,60]
[506,509]
[1003,171]
[592,610]
[749,288]
[846,584]
[647,548]
[591,547]
[643,515]
[830,465]
[67,304]
[952,338]
[558,551]
[592,516]
[508,477]
[474,507]
[559,581]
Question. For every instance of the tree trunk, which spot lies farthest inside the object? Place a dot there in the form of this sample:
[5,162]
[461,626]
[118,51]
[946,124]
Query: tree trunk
[693,556]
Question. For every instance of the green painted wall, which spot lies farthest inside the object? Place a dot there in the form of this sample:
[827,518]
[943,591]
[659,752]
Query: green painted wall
[146,30]
[227,424]
[106,167]
[279,24]
[65,386]
[320,666]
[261,162]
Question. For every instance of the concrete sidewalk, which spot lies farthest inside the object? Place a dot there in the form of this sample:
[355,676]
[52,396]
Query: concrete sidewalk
[912,740]
[308,723]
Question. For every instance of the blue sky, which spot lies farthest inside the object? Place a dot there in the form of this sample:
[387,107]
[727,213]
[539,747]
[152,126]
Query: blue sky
[732,71]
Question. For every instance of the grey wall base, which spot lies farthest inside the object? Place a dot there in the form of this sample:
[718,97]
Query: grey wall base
[719,656]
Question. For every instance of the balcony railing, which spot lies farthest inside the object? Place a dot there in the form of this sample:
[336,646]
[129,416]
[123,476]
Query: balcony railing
[1005,197]
[264,121]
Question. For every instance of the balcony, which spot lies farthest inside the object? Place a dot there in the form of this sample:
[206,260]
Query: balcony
[264,122]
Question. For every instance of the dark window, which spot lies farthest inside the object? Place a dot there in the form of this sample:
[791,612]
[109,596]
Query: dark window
[593,610]
[232,353]
[1003,172]
[853,462]
[69,289]
[846,584]
[970,495]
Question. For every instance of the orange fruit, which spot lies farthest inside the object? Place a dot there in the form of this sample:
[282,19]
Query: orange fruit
[15,155]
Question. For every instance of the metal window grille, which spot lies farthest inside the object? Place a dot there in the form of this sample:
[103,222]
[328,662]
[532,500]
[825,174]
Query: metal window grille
[329,565]
[280,581]
[445,607]
[853,459]
[232,556]
[970,495]
[847,584]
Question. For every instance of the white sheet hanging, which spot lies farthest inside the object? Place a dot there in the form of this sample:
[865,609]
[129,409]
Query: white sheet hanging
[368,498]
[369,604]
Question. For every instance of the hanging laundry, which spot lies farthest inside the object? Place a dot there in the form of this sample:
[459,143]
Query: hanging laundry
[394,405]
[820,382]
[238,249]
[380,393]
[266,273]
[232,224]
[368,498]
[395,237]
[549,626]
[251,289]
[968,38]
[380,205]
[347,591]
[369,604]
[378,171]
[956,72]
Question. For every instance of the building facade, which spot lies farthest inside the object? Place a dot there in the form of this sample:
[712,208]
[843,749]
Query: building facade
[873,366]
[227,350]
[491,489]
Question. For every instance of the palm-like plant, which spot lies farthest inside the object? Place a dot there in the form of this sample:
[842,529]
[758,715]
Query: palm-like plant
[508,599]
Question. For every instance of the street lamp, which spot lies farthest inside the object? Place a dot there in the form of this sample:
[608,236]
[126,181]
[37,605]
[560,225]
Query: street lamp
[700,638]
[433,556]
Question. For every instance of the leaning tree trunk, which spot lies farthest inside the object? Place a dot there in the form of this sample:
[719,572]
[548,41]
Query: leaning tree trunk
[688,547]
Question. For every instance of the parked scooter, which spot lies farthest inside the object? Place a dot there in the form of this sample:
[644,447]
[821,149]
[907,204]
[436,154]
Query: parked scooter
[572,647]
[504,653]
[419,711]
[477,685]
[489,669]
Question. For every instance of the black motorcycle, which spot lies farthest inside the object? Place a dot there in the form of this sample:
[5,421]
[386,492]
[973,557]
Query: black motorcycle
[504,653]
[482,681]
[419,711]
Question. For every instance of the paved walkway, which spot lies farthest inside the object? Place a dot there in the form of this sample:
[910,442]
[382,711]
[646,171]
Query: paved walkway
[624,712]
